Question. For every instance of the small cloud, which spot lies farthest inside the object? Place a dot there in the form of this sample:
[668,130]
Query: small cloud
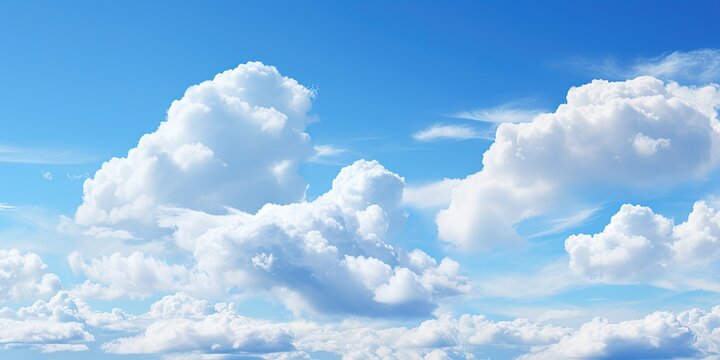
[325,151]
[4,206]
[506,113]
[448,132]
[46,175]
[18,155]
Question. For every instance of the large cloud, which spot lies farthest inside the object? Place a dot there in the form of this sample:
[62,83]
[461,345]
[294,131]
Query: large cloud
[639,245]
[24,276]
[235,140]
[335,245]
[607,138]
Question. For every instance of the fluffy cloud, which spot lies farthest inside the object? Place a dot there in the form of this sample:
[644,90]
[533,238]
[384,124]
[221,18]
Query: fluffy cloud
[182,324]
[639,245]
[443,338]
[235,140]
[24,276]
[62,323]
[614,135]
[134,276]
[657,336]
[304,251]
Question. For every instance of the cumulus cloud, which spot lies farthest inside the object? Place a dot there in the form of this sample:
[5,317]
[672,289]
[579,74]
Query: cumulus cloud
[445,336]
[61,323]
[235,140]
[657,336]
[182,324]
[335,245]
[24,276]
[639,245]
[136,276]
[447,132]
[610,135]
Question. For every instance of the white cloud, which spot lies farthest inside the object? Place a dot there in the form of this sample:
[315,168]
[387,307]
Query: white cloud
[657,336]
[46,175]
[639,245]
[302,251]
[508,113]
[446,335]
[182,324]
[4,206]
[611,135]
[235,140]
[62,323]
[323,152]
[24,276]
[20,155]
[434,195]
[701,66]
[447,132]
[134,276]
[47,336]
[65,308]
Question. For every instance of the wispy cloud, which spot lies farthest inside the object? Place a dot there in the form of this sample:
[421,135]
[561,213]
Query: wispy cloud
[448,132]
[696,66]
[560,224]
[430,196]
[506,113]
[4,206]
[700,65]
[11,154]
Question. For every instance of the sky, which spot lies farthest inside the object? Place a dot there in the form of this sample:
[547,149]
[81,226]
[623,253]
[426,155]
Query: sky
[359,180]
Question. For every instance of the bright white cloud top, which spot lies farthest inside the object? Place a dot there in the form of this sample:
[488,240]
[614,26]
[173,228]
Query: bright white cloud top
[235,140]
[637,133]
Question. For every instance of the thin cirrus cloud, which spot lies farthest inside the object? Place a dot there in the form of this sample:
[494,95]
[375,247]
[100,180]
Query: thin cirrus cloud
[439,132]
[21,155]
[4,206]
[506,113]
[693,67]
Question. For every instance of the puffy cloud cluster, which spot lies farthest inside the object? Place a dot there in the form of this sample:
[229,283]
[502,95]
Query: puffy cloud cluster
[334,244]
[640,245]
[235,140]
[62,323]
[24,276]
[445,337]
[136,276]
[182,324]
[613,135]
[657,336]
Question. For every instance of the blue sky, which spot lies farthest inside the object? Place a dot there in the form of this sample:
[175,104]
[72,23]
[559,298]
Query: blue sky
[576,208]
